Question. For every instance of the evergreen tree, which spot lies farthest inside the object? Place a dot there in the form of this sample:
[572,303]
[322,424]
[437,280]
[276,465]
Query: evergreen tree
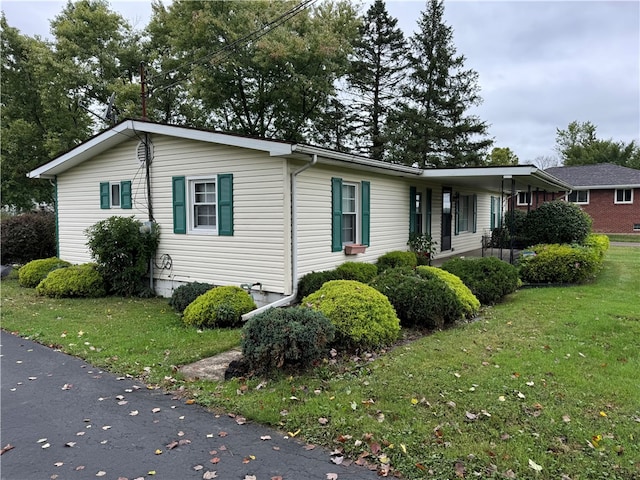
[434,128]
[377,71]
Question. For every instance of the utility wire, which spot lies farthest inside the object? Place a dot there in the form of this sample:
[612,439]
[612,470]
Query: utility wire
[226,51]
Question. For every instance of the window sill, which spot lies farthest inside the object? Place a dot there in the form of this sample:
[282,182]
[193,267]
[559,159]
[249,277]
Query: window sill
[354,249]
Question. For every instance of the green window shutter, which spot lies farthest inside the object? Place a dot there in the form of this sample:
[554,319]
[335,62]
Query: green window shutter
[336,214]
[225,204]
[412,209]
[179,205]
[105,195]
[429,199]
[456,217]
[125,194]
[366,213]
[475,213]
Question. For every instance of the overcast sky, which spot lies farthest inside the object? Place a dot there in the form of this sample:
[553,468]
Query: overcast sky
[541,65]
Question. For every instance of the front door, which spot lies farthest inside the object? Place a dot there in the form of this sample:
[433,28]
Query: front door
[446,219]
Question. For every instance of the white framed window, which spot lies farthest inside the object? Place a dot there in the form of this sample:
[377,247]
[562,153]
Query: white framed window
[524,198]
[579,196]
[636,227]
[623,195]
[203,205]
[349,213]
[464,215]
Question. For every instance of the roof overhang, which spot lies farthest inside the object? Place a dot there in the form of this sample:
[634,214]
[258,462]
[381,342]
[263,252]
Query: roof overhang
[605,187]
[524,177]
[130,129]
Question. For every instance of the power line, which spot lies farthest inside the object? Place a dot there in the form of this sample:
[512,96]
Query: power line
[226,51]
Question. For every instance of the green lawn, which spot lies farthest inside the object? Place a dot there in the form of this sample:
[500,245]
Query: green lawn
[543,385]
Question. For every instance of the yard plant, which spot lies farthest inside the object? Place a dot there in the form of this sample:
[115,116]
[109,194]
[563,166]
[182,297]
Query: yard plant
[543,385]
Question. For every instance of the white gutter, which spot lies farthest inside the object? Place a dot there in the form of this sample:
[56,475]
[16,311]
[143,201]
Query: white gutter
[294,247]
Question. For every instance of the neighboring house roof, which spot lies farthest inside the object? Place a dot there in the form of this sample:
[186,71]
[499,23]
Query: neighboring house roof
[488,178]
[598,176]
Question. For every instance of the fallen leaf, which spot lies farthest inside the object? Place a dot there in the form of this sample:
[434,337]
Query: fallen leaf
[293,434]
[309,447]
[222,434]
[155,410]
[6,448]
[471,416]
[501,398]
[46,445]
[197,467]
[106,427]
[603,414]
[67,386]
[42,440]
[79,467]
[459,469]
[158,452]
[215,460]
[241,420]
[133,413]
[79,434]
[191,401]
[323,421]
[250,477]
[332,476]
[101,473]
[70,444]
[171,445]
[59,464]
[510,474]
[181,434]
[534,466]
[276,478]
[209,474]
[184,441]
[265,437]
[337,460]
[566,418]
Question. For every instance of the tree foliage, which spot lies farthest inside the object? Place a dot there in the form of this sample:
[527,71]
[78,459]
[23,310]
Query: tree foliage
[579,145]
[500,156]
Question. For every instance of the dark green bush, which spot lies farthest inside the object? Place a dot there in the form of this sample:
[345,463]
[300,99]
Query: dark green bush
[26,237]
[489,278]
[396,259]
[74,281]
[557,222]
[471,305]
[285,337]
[513,221]
[560,264]
[185,294]
[359,271]
[311,282]
[422,302]
[122,253]
[219,307]
[363,317]
[31,274]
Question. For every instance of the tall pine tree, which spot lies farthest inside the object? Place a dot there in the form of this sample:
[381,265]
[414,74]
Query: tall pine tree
[434,128]
[377,70]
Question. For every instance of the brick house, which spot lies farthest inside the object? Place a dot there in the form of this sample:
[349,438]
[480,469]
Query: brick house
[609,193]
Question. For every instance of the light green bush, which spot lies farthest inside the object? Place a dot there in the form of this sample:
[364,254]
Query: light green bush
[470,303]
[560,264]
[599,242]
[219,307]
[31,274]
[74,281]
[363,317]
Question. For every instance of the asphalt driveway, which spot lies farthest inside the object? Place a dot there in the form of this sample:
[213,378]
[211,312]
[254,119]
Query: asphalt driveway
[68,420]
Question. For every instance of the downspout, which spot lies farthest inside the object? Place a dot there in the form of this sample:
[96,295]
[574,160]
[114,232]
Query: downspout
[294,246]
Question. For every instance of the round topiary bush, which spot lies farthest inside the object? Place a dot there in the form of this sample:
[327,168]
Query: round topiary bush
[489,278]
[311,282]
[363,317]
[28,236]
[219,307]
[285,336]
[560,264]
[418,301]
[557,222]
[359,271]
[31,274]
[74,281]
[185,294]
[470,304]
[396,259]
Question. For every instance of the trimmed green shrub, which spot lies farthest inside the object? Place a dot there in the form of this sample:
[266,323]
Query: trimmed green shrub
[557,222]
[470,304]
[359,271]
[219,307]
[363,317]
[74,281]
[489,278]
[422,302]
[31,274]
[185,294]
[396,259]
[311,282]
[122,253]
[599,242]
[285,337]
[560,264]
[26,237]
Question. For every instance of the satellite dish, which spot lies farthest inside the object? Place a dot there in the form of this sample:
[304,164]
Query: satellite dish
[110,113]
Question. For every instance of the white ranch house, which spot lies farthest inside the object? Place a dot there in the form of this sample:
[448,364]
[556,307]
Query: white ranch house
[233,210]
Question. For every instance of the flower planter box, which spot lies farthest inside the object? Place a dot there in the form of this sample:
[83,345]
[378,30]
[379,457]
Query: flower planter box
[354,249]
